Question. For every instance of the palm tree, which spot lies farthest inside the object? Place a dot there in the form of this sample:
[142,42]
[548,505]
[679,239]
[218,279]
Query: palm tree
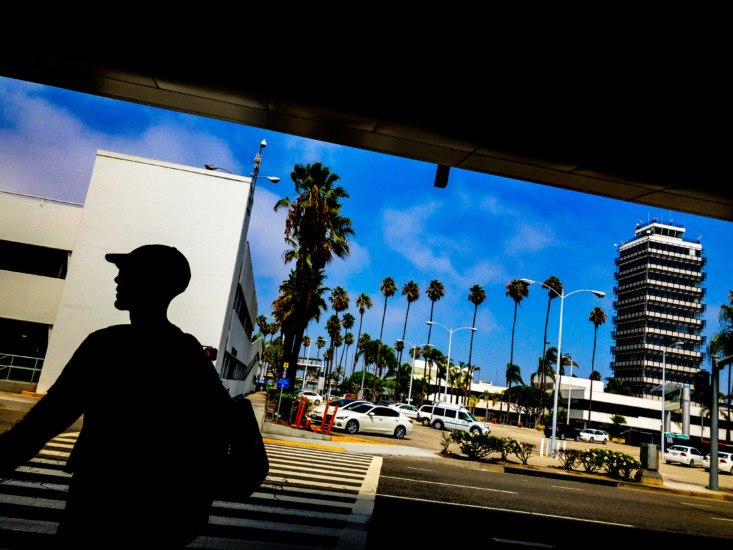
[301,296]
[363,302]
[619,387]
[513,376]
[486,396]
[555,289]
[333,327]
[435,292]
[517,290]
[721,344]
[476,296]
[597,317]
[348,340]
[315,232]
[412,291]
[320,342]
[339,302]
[347,321]
[388,288]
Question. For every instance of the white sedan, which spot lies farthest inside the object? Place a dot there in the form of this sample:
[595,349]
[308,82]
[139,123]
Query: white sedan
[408,410]
[683,455]
[593,436]
[317,413]
[725,461]
[316,398]
[367,417]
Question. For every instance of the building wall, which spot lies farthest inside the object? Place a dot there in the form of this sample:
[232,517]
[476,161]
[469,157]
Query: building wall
[36,239]
[131,202]
[41,223]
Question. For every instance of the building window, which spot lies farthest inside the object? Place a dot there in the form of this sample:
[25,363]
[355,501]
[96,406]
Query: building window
[234,369]
[240,308]
[34,260]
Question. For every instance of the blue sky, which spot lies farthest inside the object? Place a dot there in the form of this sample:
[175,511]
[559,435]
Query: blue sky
[481,229]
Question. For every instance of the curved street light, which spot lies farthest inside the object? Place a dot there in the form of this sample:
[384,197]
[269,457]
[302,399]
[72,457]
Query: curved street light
[412,372]
[598,294]
[253,176]
[664,384]
[450,338]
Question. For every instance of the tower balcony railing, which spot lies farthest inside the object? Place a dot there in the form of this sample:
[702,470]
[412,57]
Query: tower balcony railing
[20,368]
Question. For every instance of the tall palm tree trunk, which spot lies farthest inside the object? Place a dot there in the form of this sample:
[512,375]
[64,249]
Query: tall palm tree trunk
[376,363]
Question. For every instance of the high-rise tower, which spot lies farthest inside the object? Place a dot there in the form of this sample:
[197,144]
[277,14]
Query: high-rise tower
[659,306]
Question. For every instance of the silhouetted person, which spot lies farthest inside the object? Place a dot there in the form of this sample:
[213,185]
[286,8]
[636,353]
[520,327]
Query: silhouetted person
[154,410]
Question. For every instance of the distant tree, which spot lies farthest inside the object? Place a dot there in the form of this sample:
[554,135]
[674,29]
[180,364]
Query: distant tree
[388,289]
[363,302]
[412,291]
[618,386]
[554,290]
[513,376]
[477,296]
[597,317]
[435,291]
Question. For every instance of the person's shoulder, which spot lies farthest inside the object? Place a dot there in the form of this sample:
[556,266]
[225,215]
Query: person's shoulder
[114,331]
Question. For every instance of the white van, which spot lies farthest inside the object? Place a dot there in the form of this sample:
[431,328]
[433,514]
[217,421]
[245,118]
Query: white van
[455,417]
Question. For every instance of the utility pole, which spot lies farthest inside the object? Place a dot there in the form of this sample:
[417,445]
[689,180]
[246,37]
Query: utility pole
[714,385]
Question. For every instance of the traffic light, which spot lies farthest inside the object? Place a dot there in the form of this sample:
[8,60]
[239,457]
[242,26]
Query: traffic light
[702,386]
[210,352]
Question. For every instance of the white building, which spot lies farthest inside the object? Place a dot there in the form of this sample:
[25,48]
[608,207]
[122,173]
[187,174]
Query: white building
[131,202]
[36,240]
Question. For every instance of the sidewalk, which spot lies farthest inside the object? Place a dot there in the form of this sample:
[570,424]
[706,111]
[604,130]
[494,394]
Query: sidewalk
[541,465]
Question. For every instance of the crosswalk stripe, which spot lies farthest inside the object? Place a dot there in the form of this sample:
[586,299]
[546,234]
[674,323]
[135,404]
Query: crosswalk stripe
[313,497]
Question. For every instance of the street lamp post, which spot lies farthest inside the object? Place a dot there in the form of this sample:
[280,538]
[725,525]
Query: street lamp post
[450,339]
[570,384]
[253,175]
[412,372]
[562,297]
[664,384]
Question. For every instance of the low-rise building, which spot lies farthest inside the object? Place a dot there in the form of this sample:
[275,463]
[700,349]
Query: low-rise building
[55,278]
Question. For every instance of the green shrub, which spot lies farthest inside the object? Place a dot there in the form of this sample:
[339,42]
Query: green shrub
[479,446]
[592,459]
[620,466]
[521,450]
[445,442]
[569,458]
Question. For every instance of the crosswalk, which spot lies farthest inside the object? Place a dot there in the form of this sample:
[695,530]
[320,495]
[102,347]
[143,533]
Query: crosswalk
[314,497]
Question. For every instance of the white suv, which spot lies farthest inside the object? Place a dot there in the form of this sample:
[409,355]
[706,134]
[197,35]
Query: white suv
[455,417]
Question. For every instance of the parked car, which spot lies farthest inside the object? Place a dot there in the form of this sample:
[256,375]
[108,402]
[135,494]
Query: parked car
[455,417]
[409,411]
[683,455]
[316,414]
[367,417]
[316,398]
[725,461]
[562,431]
[593,435]
[425,415]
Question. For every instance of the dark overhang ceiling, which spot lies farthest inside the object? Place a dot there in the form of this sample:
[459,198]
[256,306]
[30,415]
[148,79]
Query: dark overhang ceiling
[639,133]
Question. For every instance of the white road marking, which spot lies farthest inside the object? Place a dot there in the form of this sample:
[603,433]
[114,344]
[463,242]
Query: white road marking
[451,485]
[494,509]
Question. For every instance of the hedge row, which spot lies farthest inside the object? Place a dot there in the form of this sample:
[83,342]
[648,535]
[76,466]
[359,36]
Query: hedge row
[612,463]
[480,446]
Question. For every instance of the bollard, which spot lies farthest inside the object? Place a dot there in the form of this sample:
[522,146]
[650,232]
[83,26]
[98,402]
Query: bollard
[333,417]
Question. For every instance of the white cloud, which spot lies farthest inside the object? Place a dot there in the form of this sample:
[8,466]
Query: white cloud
[530,238]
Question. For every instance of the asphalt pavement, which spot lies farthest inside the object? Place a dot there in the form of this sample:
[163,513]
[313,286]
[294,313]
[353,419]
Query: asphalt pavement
[675,478]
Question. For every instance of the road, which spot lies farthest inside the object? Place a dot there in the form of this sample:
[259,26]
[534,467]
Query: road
[420,503]
[425,437]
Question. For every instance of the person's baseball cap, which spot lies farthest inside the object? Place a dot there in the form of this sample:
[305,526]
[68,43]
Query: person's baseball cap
[159,262]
